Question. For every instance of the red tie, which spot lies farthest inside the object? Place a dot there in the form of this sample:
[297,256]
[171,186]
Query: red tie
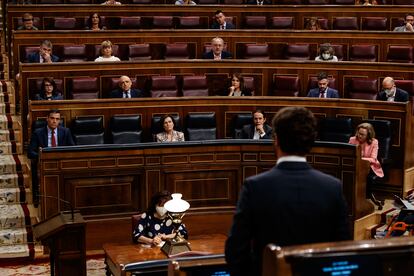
[53,138]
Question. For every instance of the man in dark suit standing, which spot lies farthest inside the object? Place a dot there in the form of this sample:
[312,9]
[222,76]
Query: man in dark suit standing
[44,55]
[51,135]
[391,93]
[220,22]
[259,129]
[290,204]
[125,91]
[217,53]
[323,90]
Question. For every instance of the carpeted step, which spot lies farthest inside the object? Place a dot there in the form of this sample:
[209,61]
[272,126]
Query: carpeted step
[15,195]
[16,251]
[10,135]
[13,237]
[14,180]
[11,148]
[9,122]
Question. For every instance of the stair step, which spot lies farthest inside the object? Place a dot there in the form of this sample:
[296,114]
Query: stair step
[14,196]
[13,216]
[7,148]
[14,251]
[13,236]
[4,122]
[12,181]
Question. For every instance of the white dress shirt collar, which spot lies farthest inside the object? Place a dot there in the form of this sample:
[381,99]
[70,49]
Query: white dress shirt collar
[291,158]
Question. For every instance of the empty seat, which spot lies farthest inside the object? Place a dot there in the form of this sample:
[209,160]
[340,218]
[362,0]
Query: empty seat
[162,22]
[139,51]
[156,127]
[176,51]
[61,23]
[232,2]
[345,23]
[256,51]
[126,129]
[363,88]
[318,2]
[238,122]
[363,52]
[189,22]
[400,53]
[407,85]
[290,2]
[88,131]
[283,22]
[286,86]
[49,2]
[335,129]
[163,86]
[201,126]
[142,1]
[403,2]
[374,23]
[74,53]
[255,22]
[340,52]
[130,22]
[249,84]
[84,88]
[195,86]
[343,2]
[323,23]
[297,52]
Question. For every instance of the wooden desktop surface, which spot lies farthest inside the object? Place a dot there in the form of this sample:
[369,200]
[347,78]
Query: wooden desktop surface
[119,255]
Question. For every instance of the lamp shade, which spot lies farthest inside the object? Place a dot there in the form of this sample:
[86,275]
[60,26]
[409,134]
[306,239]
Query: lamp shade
[176,204]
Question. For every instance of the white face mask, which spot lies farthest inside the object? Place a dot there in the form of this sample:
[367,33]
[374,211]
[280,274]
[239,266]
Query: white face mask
[161,211]
[389,92]
[326,56]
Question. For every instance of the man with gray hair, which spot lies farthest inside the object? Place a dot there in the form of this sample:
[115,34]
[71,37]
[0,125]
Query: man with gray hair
[391,93]
[217,52]
[44,55]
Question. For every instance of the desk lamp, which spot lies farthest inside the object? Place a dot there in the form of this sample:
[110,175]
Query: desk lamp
[176,208]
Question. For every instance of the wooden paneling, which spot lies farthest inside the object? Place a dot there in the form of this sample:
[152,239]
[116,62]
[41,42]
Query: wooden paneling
[212,187]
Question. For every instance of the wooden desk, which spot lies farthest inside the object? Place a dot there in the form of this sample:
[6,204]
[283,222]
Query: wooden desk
[117,256]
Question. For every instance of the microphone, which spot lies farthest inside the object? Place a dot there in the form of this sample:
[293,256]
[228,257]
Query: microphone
[68,203]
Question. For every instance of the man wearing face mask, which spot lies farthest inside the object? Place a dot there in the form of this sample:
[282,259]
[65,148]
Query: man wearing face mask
[155,226]
[391,93]
[323,90]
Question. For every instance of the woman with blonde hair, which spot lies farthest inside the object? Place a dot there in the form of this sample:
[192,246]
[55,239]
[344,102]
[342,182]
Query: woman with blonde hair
[106,52]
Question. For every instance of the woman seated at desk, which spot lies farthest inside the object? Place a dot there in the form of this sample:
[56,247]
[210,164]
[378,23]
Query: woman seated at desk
[169,134]
[155,226]
[237,87]
[48,91]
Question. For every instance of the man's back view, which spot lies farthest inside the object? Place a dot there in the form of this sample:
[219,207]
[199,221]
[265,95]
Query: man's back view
[290,204]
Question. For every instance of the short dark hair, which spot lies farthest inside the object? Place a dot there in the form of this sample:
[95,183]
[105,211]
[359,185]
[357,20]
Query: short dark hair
[53,111]
[408,14]
[322,76]
[162,119]
[218,12]
[295,130]
[260,111]
[156,199]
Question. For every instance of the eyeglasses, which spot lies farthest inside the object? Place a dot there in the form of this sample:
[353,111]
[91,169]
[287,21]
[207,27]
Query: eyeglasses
[27,19]
[48,84]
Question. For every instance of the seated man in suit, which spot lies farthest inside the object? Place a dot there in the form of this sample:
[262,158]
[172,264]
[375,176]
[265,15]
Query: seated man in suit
[220,22]
[259,2]
[44,55]
[259,129]
[51,135]
[408,24]
[391,93]
[217,53]
[125,91]
[292,203]
[323,90]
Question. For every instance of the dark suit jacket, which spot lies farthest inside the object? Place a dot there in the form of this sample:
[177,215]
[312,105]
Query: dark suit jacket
[210,55]
[248,132]
[39,139]
[254,2]
[400,96]
[35,58]
[287,205]
[331,93]
[135,93]
[216,25]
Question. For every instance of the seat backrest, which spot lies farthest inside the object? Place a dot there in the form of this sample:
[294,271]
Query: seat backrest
[208,2]
[286,86]
[49,2]
[64,23]
[400,53]
[134,223]
[78,1]
[256,51]
[363,52]
[195,86]
[282,22]
[157,128]
[255,22]
[74,53]
[176,51]
[374,23]
[249,84]
[318,2]
[162,22]
[84,88]
[163,86]
[335,129]
[126,129]
[343,2]
[201,126]
[403,2]
[142,1]
[232,2]
[297,51]
[139,52]
[363,88]
[189,22]
[384,136]
[407,85]
[130,22]
[339,50]
[345,23]
[290,2]
[238,122]
[88,130]
[28,50]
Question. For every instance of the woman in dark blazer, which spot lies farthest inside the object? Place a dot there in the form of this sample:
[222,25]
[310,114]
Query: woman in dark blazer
[237,87]
[48,91]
